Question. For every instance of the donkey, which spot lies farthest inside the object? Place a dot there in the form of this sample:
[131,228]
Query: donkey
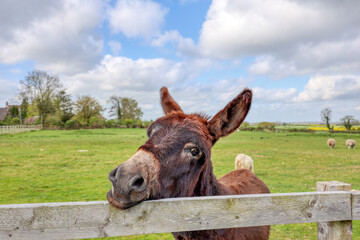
[175,161]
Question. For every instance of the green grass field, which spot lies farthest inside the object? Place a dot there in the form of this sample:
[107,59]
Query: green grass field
[45,166]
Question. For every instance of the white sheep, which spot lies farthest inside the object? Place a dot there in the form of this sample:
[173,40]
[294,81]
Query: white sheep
[350,143]
[244,161]
[331,142]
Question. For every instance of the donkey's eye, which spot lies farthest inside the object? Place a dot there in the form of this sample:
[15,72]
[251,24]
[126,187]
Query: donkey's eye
[194,151]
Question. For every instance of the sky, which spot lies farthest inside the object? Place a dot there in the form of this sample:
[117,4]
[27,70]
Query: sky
[298,56]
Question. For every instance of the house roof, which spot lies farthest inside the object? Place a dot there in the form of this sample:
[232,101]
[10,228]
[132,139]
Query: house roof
[3,113]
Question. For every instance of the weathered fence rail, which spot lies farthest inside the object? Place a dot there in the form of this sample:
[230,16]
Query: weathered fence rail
[76,220]
[18,128]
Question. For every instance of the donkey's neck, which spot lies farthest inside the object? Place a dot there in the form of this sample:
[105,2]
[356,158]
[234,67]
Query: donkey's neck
[208,185]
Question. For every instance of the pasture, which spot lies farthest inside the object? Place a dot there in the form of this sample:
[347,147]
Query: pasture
[46,166]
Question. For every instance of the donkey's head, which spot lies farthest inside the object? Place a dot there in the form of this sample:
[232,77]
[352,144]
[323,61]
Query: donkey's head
[175,160]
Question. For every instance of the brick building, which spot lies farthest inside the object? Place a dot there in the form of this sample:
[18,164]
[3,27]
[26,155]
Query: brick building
[4,112]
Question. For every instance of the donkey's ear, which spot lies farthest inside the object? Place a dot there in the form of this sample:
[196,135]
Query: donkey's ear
[229,119]
[168,103]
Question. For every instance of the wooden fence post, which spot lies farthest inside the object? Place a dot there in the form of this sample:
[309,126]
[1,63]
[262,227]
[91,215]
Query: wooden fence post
[340,230]
[355,204]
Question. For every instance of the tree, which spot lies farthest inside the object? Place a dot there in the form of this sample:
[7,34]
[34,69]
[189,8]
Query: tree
[87,107]
[267,125]
[326,117]
[14,111]
[348,121]
[130,109]
[115,108]
[41,88]
[64,106]
[24,107]
[32,110]
[125,108]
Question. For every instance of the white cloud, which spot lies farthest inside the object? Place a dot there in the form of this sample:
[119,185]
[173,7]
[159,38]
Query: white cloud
[326,89]
[268,104]
[321,58]
[323,88]
[208,97]
[317,38]
[140,79]
[8,91]
[268,65]
[274,95]
[58,36]
[20,14]
[184,46]
[287,37]
[120,73]
[168,36]
[339,92]
[137,18]
[236,28]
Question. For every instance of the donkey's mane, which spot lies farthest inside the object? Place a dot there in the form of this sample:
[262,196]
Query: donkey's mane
[202,115]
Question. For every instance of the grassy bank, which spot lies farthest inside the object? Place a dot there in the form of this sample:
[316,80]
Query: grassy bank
[46,166]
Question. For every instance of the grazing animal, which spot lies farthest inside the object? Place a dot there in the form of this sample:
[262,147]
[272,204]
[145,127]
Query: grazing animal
[244,161]
[350,143]
[175,161]
[331,142]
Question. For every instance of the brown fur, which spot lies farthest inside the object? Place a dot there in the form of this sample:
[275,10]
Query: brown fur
[179,149]
[167,102]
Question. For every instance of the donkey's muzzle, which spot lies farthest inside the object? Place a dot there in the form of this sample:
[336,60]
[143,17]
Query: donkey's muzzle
[132,181]
[125,183]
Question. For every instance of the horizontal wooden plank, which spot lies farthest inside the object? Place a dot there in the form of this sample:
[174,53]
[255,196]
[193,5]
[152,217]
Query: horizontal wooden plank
[99,219]
[356,205]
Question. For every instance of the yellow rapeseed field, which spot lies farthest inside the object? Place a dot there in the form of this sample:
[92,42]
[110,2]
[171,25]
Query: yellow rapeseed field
[336,128]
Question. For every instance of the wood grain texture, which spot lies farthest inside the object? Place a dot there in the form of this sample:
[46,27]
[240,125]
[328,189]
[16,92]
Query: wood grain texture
[99,219]
[355,205]
[332,186]
[338,230]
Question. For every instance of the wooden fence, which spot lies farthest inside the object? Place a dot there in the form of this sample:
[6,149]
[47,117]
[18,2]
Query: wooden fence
[18,128]
[333,210]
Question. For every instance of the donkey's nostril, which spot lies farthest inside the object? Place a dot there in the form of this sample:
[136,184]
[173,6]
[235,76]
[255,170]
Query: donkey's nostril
[112,175]
[137,183]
